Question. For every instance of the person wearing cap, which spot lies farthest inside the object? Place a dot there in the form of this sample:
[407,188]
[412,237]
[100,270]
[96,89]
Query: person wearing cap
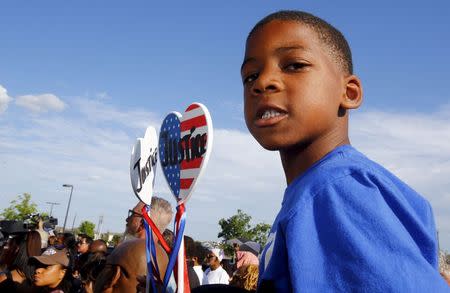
[52,271]
[215,274]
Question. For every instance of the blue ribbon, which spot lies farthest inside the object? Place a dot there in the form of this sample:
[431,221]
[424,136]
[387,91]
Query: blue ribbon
[148,247]
[154,256]
[176,248]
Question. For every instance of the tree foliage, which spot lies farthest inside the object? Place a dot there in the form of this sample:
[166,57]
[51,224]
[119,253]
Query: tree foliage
[238,226]
[260,233]
[20,208]
[87,228]
[115,240]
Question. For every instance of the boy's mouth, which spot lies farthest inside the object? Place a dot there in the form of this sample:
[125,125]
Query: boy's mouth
[269,116]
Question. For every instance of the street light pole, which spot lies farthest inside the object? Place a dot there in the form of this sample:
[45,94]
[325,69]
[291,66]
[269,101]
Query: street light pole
[68,205]
[73,223]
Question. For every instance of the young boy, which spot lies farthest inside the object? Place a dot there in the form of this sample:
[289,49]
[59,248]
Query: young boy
[346,223]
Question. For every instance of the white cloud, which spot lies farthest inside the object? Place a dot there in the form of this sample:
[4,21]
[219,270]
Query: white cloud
[98,111]
[4,99]
[92,152]
[415,148]
[102,96]
[41,103]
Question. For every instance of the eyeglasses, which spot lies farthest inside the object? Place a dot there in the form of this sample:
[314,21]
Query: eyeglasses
[132,213]
[210,256]
[81,242]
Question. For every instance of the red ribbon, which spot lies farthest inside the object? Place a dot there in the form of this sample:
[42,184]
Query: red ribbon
[156,231]
[180,211]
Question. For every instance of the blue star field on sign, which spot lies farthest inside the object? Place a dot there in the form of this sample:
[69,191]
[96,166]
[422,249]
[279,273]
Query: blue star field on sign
[172,125]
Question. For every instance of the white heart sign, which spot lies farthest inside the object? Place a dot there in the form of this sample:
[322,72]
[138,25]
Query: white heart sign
[143,165]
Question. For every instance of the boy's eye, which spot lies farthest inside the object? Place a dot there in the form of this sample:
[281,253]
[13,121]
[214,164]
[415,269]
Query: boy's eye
[250,78]
[295,66]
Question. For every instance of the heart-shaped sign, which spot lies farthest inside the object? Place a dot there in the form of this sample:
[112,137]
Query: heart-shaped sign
[184,147]
[142,165]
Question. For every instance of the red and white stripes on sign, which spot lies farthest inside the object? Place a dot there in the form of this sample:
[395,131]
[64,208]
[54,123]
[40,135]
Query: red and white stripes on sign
[193,117]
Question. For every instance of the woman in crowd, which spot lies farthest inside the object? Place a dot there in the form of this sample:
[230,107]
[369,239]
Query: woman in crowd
[246,277]
[53,273]
[18,276]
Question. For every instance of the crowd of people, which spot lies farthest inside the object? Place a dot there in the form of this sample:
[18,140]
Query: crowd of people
[66,262]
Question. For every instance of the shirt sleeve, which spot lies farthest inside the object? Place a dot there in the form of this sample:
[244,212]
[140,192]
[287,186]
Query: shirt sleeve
[225,278]
[355,235]
[205,277]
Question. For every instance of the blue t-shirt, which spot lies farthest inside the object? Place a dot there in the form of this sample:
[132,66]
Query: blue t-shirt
[348,224]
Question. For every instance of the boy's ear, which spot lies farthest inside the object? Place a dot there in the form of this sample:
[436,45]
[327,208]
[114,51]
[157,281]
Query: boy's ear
[353,94]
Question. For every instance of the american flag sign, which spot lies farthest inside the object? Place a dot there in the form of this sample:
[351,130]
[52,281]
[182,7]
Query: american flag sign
[184,147]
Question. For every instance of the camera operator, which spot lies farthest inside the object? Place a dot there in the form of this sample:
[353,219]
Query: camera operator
[18,275]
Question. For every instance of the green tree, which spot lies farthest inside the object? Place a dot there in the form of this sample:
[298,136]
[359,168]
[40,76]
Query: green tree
[20,208]
[260,232]
[238,226]
[115,240]
[87,228]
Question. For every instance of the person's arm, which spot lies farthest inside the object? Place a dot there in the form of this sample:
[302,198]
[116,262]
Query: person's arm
[446,276]
[350,236]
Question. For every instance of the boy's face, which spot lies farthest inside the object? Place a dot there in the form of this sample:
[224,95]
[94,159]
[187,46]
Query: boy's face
[292,86]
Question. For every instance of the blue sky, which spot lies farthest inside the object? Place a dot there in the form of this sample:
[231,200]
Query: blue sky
[80,81]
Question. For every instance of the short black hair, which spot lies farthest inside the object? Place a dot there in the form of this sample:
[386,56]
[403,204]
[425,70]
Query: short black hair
[328,34]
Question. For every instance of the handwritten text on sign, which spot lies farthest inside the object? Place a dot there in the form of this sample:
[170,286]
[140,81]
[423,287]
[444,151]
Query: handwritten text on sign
[142,165]
[147,168]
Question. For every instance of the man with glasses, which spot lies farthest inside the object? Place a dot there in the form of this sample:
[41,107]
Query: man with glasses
[83,243]
[160,212]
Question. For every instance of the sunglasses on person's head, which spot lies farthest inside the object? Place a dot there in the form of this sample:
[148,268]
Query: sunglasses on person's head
[132,213]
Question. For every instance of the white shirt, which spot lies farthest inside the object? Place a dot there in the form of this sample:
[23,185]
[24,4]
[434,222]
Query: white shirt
[198,270]
[218,276]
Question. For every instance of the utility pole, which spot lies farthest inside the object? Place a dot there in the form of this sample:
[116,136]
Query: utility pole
[51,206]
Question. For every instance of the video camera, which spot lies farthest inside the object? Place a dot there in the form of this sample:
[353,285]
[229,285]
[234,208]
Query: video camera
[29,224]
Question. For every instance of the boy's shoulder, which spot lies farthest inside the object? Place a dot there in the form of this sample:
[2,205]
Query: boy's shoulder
[347,172]
[349,209]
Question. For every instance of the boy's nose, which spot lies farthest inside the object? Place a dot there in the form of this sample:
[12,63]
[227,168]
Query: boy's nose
[266,83]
